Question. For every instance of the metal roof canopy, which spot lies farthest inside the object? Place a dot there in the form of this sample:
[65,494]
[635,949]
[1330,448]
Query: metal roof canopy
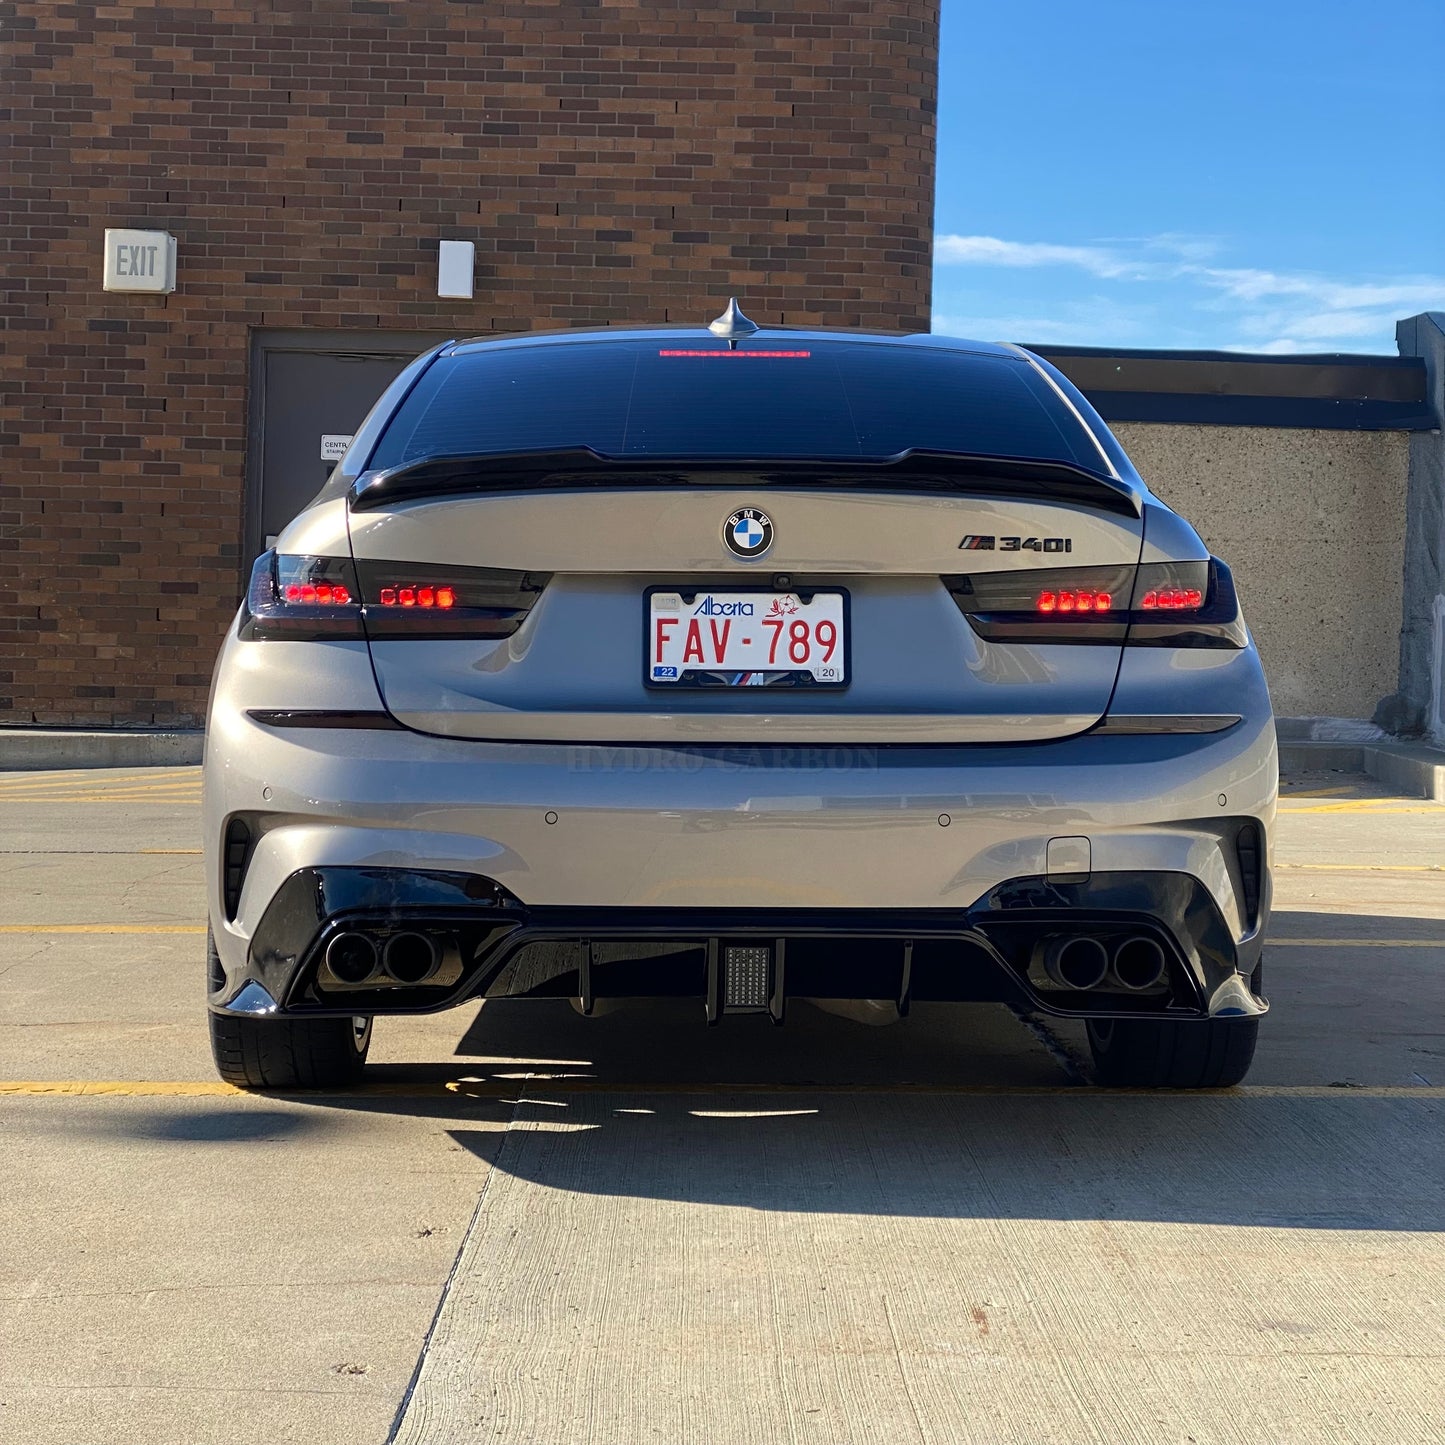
[1333,391]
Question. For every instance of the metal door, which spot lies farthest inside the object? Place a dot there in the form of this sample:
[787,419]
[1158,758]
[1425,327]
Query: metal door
[310,399]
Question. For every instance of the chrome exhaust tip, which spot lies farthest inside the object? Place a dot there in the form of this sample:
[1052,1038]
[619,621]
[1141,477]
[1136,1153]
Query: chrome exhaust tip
[1139,964]
[411,957]
[351,957]
[1076,963]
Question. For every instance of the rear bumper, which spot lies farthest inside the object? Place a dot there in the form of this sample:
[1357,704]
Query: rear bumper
[785,843]
[485,943]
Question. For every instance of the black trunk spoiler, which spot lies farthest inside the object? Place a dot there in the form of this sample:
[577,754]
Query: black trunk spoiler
[916,470]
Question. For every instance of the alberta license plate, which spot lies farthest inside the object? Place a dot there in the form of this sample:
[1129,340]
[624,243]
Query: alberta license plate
[746,639]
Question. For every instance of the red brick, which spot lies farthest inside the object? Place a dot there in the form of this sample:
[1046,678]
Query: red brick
[615,164]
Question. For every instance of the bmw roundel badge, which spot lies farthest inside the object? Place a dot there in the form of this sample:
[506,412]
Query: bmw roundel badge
[748,532]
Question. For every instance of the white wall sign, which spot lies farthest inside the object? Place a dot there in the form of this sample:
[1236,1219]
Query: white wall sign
[456,268]
[333,448]
[140,261]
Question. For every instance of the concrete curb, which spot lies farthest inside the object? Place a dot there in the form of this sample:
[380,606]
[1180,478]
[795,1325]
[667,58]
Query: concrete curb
[1410,767]
[35,748]
[1415,769]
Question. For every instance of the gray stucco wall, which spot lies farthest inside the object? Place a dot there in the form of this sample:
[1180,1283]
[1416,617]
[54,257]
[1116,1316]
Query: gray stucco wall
[1313,524]
[1422,639]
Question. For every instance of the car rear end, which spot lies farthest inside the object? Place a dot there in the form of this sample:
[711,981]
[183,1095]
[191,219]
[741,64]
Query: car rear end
[741,669]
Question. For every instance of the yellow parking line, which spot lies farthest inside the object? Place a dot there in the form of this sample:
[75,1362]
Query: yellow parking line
[123,1087]
[94,785]
[1367,806]
[81,785]
[180,798]
[1354,942]
[1363,867]
[166,1088]
[70,789]
[181,785]
[96,779]
[91,791]
[102,928]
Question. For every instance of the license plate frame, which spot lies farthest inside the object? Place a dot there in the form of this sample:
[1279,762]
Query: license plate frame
[712,679]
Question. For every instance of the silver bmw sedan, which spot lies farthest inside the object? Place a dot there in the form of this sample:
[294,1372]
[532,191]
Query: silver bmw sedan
[739,664]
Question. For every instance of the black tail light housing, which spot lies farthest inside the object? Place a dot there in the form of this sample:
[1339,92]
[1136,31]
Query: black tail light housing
[425,600]
[316,599]
[1157,604]
[302,599]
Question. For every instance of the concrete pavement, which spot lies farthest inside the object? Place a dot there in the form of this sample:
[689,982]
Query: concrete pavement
[535,1227]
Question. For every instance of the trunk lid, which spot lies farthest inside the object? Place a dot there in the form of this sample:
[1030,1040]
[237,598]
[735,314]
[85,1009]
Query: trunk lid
[570,627]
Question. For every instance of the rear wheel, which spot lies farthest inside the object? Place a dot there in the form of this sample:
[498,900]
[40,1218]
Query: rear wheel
[289,1053]
[1169,1054]
[266,1053]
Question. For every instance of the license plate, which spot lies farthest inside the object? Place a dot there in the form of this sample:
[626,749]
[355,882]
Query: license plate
[746,639]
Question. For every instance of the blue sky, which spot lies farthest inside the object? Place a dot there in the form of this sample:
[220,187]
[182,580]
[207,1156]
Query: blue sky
[1247,175]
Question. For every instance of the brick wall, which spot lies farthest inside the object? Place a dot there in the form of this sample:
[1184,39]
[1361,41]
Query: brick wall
[613,162]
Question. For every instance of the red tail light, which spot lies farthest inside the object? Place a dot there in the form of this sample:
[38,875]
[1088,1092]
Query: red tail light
[409,599]
[417,597]
[302,599]
[323,593]
[1172,599]
[1157,604]
[1070,601]
[316,598]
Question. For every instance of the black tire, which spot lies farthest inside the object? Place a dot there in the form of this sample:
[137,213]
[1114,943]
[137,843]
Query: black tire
[1165,1054]
[265,1053]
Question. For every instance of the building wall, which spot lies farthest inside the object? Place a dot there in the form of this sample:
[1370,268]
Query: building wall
[1420,704]
[1313,524]
[613,162]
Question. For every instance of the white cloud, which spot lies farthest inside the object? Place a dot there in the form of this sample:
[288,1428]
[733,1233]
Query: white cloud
[1247,285]
[991,251]
[1275,310]
[1099,260]
[1042,329]
[1075,323]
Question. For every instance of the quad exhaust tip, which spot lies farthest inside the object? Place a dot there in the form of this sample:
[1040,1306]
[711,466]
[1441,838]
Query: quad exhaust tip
[1076,963]
[406,958]
[1139,964]
[1079,963]
[410,957]
[351,957]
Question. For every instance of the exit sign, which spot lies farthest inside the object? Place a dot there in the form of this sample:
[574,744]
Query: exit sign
[140,261]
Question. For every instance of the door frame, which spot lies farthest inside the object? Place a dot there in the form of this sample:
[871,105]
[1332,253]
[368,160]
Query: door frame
[263,341]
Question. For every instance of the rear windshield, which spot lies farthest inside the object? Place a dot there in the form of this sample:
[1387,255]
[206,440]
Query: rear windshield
[768,399]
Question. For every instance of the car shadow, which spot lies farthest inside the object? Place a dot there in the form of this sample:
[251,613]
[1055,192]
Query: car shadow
[957,1111]
[1344,1162]
[967,1110]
